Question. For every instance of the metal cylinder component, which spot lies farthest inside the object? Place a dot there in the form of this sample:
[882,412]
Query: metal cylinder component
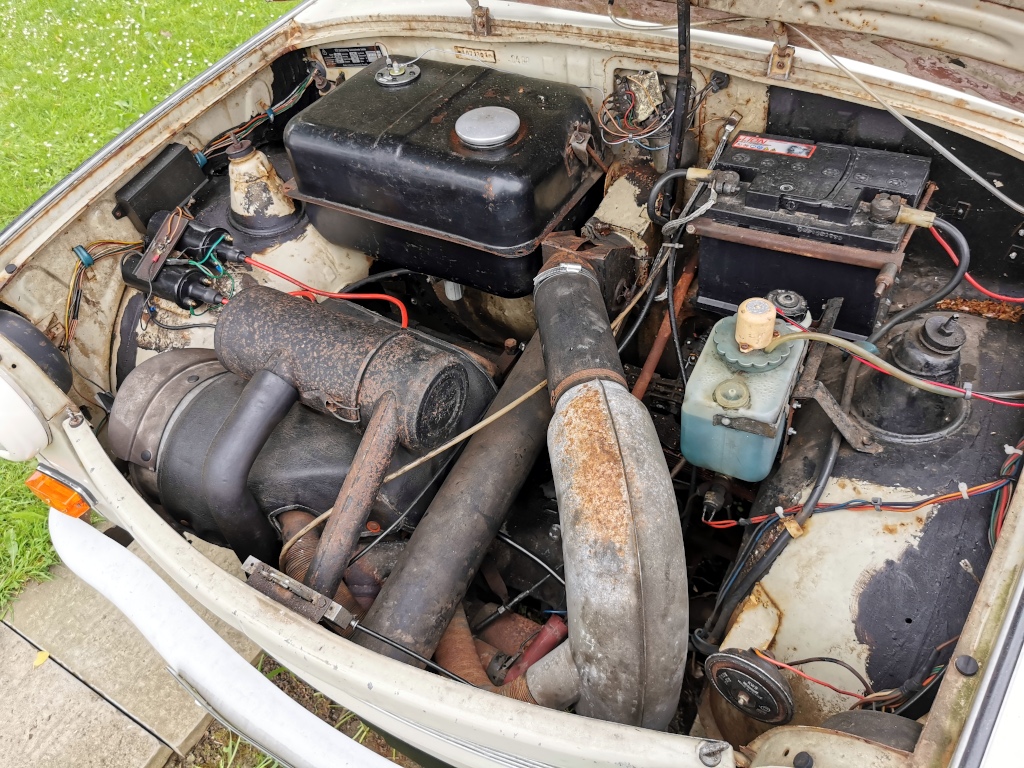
[571,311]
[625,571]
[448,546]
[342,364]
[928,349]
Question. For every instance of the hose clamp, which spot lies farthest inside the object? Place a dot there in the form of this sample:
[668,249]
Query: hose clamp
[564,268]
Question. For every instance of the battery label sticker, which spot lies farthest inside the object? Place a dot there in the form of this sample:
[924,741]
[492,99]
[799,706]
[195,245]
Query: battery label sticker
[354,56]
[774,146]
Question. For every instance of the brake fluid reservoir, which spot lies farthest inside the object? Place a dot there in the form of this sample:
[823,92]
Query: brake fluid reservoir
[734,409]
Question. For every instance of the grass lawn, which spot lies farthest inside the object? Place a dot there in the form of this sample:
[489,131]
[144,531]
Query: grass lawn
[73,74]
[25,551]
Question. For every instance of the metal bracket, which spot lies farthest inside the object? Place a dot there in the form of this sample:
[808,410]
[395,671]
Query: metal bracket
[858,437]
[163,243]
[294,595]
[481,18]
[809,388]
[780,62]
[743,424]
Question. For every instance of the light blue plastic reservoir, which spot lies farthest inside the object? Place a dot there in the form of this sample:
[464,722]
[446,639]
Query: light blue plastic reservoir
[740,442]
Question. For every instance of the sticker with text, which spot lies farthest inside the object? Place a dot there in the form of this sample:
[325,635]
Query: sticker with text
[774,146]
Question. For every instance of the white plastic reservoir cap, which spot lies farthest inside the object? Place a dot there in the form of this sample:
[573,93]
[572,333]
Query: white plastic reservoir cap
[485,127]
[755,324]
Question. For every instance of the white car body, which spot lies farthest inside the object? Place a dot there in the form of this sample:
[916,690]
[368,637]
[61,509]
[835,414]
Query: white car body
[975,719]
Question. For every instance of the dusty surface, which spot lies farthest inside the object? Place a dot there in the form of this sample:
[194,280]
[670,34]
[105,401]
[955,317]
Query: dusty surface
[69,725]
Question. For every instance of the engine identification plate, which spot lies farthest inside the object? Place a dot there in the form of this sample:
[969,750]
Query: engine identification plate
[774,146]
[353,56]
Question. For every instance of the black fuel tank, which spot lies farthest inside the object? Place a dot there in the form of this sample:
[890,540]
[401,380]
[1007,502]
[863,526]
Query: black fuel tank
[383,169]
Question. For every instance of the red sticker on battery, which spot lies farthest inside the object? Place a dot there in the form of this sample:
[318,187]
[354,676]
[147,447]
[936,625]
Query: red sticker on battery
[774,146]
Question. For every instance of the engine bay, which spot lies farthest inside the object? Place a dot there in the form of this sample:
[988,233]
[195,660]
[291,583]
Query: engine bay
[660,402]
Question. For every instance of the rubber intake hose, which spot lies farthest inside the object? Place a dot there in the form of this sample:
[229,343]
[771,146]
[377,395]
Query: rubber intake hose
[577,339]
[264,402]
[622,542]
[430,580]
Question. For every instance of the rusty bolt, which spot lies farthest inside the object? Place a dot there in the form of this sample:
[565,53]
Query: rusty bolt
[76,418]
[511,345]
[373,527]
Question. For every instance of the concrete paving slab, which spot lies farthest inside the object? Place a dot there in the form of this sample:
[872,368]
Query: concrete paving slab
[52,720]
[93,639]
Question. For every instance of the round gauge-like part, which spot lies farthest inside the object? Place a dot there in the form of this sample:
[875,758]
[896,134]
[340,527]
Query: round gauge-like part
[487,127]
[751,685]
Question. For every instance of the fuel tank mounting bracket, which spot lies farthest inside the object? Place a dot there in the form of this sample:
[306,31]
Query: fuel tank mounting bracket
[809,388]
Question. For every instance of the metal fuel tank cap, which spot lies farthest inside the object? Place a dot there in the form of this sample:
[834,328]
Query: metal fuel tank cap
[486,127]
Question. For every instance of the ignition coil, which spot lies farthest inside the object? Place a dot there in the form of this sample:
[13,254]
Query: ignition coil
[185,285]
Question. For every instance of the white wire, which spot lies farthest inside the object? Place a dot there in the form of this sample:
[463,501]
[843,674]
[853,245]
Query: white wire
[673,226]
[915,129]
[651,26]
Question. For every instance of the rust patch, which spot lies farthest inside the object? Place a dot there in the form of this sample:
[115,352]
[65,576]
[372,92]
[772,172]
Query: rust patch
[596,466]
[896,528]
[993,310]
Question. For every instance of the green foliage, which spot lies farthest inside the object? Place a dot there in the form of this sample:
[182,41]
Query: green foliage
[75,73]
[25,551]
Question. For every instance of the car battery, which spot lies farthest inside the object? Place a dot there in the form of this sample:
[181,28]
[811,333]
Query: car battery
[814,218]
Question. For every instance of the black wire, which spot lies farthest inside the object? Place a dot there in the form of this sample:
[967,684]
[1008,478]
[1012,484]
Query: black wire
[75,369]
[399,647]
[506,539]
[652,199]
[376,278]
[959,244]
[166,327]
[673,322]
[867,686]
[644,311]
[682,97]
[906,705]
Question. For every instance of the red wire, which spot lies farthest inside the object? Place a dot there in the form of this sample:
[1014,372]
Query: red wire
[804,675]
[968,278]
[986,398]
[316,291]
[975,395]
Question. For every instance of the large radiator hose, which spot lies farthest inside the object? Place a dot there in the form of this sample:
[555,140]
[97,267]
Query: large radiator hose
[625,570]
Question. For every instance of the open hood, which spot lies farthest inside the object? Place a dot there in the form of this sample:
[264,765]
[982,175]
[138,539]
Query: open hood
[953,42]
